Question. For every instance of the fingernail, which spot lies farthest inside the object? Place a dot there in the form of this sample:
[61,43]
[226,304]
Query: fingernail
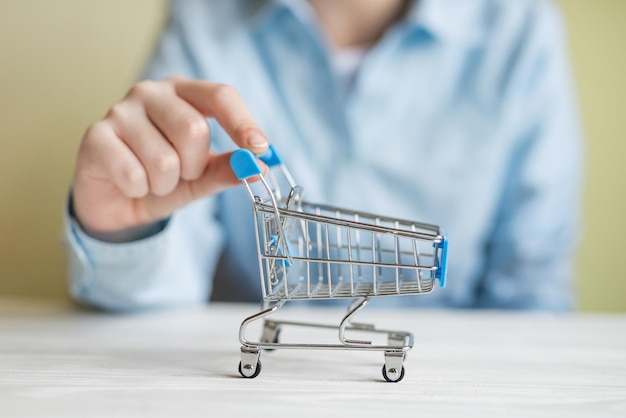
[256,140]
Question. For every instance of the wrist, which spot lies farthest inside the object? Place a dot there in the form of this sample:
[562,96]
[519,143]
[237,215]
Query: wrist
[123,235]
[126,235]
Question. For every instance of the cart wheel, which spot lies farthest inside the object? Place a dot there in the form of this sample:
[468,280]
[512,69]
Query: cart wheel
[245,370]
[398,376]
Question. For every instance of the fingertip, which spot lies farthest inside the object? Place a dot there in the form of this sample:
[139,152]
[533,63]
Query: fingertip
[257,142]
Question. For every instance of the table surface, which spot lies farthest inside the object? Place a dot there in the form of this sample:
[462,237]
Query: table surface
[60,361]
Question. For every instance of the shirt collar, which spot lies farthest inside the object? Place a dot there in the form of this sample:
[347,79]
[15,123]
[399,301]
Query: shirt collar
[455,21]
[263,12]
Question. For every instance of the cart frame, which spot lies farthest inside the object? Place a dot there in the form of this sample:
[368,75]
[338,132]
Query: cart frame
[339,254]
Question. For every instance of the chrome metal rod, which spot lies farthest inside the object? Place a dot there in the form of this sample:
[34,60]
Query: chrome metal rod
[346,319]
[265,312]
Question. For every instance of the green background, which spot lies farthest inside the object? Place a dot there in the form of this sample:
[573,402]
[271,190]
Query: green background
[63,63]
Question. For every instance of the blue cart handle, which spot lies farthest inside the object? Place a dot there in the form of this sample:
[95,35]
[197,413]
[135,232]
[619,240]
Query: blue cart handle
[271,157]
[442,268]
[244,162]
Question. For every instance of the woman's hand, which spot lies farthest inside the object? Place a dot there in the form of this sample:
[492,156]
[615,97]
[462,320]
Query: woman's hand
[150,155]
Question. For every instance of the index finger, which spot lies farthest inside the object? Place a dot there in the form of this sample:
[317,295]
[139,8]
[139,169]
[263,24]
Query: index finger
[223,103]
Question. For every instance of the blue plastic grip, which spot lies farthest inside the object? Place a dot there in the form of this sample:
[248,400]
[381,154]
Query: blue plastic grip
[270,157]
[442,271]
[244,165]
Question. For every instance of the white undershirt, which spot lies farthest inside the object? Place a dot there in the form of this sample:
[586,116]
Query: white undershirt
[346,63]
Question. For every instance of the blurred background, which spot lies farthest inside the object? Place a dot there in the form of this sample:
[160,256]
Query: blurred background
[64,62]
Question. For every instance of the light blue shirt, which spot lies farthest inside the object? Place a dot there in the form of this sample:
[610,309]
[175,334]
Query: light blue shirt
[462,116]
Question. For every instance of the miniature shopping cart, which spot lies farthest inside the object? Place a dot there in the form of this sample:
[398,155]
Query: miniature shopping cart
[309,251]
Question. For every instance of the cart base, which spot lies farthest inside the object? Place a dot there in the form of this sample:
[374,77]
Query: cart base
[398,342]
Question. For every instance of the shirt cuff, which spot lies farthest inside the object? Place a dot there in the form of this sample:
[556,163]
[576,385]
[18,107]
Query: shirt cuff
[92,251]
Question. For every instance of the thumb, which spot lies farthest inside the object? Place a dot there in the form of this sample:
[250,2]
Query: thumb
[217,177]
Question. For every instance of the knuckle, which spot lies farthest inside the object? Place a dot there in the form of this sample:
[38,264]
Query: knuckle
[133,180]
[95,130]
[133,174]
[193,128]
[117,112]
[166,162]
[143,89]
[93,138]
[163,184]
[222,93]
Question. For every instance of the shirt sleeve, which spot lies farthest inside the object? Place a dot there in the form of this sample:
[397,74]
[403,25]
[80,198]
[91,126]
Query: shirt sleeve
[172,267]
[532,246]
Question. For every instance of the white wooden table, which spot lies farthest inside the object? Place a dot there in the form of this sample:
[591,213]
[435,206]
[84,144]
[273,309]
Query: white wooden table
[58,361]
